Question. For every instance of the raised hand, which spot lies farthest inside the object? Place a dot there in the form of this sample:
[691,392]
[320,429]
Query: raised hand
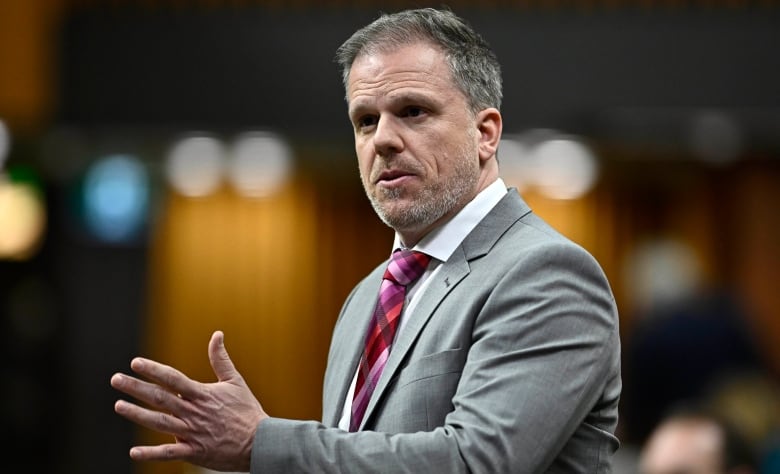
[213,423]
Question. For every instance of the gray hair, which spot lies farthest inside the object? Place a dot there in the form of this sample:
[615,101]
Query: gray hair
[473,65]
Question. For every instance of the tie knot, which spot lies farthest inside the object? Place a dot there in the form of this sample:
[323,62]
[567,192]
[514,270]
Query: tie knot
[406,266]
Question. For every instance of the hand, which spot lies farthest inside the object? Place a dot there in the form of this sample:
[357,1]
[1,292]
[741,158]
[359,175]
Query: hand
[213,424]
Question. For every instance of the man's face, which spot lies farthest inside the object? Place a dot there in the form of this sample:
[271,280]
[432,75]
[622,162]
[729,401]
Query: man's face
[683,447]
[415,137]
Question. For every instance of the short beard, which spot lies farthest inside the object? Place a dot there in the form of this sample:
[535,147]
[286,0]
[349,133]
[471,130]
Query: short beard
[433,202]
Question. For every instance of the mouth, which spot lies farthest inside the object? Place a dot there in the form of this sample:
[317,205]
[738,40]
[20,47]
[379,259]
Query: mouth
[390,177]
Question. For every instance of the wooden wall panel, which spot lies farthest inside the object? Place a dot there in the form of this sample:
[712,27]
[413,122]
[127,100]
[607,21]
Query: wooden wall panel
[757,259]
[27,62]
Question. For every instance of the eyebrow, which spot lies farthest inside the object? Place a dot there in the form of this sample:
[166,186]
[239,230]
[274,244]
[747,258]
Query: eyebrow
[405,97]
[414,98]
[356,111]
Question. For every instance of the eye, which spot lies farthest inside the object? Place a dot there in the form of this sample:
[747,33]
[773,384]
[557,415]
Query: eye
[365,121]
[413,111]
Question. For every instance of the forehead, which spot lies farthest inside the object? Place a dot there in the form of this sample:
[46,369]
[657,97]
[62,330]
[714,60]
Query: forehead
[415,67]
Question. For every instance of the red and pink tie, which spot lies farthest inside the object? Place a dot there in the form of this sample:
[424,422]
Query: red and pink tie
[405,267]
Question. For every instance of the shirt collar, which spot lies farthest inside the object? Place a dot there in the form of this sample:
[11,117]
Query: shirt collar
[442,241]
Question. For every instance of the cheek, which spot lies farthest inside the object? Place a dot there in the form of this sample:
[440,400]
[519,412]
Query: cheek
[365,162]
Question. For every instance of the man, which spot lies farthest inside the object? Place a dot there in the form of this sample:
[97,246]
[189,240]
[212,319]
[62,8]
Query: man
[506,357]
[696,442]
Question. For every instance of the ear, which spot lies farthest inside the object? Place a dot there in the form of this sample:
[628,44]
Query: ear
[489,125]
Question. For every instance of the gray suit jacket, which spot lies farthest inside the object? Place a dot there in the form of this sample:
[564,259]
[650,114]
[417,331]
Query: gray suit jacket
[509,364]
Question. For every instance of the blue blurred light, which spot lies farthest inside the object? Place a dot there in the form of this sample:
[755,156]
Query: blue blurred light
[116,198]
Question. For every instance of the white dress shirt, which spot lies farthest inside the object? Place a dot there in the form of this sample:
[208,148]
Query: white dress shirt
[440,243]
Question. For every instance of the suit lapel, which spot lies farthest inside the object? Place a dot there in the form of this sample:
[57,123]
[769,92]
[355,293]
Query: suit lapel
[347,346]
[456,268]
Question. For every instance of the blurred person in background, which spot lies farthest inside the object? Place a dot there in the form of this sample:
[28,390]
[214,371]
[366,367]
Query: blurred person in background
[689,336]
[507,353]
[696,442]
[750,403]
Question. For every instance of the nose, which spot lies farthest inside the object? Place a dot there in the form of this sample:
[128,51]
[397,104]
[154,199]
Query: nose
[387,137]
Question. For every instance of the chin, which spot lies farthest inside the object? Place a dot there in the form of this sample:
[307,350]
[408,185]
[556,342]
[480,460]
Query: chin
[397,217]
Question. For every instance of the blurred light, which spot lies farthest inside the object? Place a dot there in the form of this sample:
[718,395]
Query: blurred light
[195,165]
[566,168]
[662,272]
[116,197]
[22,219]
[557,165]
[517,165]
[260,164]
[715,138]
[5,143]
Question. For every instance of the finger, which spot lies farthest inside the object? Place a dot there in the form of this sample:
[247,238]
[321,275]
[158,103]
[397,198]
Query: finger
[220,360]
[154,420]
[149,393]
[169,378]
[163,452]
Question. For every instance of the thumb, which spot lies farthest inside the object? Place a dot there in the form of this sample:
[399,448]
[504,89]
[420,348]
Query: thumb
[220,360]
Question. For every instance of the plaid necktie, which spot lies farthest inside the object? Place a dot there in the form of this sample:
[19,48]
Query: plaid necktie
[405,267]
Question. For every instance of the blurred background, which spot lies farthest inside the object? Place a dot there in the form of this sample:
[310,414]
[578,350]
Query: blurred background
[173,167]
